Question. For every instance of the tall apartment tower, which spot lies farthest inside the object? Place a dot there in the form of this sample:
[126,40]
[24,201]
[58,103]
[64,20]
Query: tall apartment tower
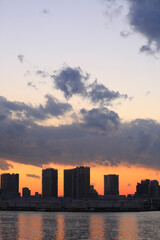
[111,184]
[142,189]
[69,183]
[10,183]
[50,182]
[77,182]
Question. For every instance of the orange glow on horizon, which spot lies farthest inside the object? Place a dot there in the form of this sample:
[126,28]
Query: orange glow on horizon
[128,176]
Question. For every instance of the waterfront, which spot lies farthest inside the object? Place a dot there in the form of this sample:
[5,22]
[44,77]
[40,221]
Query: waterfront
[100,226]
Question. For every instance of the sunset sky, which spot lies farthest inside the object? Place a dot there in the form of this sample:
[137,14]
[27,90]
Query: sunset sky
[80,83]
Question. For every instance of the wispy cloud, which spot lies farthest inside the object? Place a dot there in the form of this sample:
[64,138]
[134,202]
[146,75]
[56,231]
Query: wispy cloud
[45,11]
[21,58]
[32,176]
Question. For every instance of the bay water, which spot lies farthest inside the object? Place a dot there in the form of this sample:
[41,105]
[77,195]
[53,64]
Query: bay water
[81,225]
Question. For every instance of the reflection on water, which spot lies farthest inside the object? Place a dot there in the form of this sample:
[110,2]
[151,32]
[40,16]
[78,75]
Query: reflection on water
[96,227]
[30,226]
[60,234]
[91,226]
[127,227]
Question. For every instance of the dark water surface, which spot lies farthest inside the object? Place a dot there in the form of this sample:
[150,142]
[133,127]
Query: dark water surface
[100,226]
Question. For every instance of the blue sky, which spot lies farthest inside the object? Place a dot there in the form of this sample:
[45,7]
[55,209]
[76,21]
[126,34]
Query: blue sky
[56,56]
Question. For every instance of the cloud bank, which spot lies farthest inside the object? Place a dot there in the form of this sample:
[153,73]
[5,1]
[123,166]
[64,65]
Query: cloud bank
[21,110]
[96,135]
[100,137]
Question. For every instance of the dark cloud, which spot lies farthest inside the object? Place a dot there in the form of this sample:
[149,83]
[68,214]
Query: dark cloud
[100,120]
[4,165]
[71,81]
[21,110]
[32,176]
[144,17]
[100,137]
[21,58]
[101,94]
[54,107]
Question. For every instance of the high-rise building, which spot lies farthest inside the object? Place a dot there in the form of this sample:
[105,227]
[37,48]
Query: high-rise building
[69,183]
[154,188]
[49,182]
[111,184]
[77,182]
[26,192]
[10,183]
[142,189]
[147,188]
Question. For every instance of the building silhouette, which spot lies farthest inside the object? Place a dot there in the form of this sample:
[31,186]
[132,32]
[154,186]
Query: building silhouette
[69,183]
[93,192]
[10,184]
[77,182]
[50,182]
[111,184]
[154,188]
[26,192]
[142,189]
[147,188]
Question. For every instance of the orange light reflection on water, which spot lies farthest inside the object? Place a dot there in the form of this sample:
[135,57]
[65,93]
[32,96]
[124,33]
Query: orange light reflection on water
[30,226]
[128,227]
[60,227]
[96,227]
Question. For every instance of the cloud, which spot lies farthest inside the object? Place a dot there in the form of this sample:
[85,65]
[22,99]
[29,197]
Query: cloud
[4,165]
[52,108]
[31,84]
[32,176]
[144,18]
[100,137]
[45,11]
[113,9]
[21,58]
[71,81]
[41,73]
[125,34]
[148,93]
[101,94]
[100,120]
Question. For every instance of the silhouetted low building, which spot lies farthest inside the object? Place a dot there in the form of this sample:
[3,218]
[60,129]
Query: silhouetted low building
[26,192]
[93,192]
